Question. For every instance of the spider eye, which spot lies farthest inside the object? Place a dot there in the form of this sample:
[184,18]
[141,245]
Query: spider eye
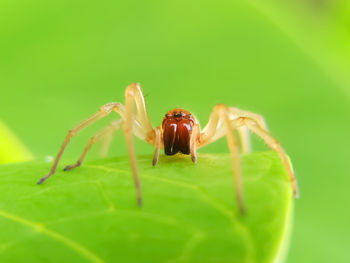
[177,115]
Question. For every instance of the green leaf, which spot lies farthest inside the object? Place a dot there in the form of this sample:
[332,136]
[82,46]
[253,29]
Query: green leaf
[189,213]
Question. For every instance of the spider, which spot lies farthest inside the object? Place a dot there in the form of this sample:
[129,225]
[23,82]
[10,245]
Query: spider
[179,132]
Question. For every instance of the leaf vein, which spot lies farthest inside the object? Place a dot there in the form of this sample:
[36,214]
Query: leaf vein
[80,249]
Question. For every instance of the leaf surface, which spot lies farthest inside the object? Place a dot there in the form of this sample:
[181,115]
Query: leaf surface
[189,215]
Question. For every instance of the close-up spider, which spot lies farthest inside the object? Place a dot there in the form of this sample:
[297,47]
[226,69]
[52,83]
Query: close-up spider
[180,132]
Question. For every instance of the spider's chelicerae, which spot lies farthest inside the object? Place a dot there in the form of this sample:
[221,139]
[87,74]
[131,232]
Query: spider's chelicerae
[179,132]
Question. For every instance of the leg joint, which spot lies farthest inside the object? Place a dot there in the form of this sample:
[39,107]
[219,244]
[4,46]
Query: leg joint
[221,108]
[131,89]
[71,133]
[275,144]
[107,108]
[93,139]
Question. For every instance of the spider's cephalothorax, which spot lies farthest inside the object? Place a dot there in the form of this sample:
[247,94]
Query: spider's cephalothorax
[177,128]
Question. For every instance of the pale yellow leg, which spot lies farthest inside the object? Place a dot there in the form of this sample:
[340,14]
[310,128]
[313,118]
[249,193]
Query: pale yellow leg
[236,161]
[254,126]
[235,113]
[220,124]
[215,130]
[106,142]
[193,142]
[115,125]
[223,121]
[157,146]
[244,131]
[104,111]
[244,137]
[133,95]
[138,123]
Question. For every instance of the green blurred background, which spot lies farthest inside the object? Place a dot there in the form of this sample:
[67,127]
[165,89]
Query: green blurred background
[61,60]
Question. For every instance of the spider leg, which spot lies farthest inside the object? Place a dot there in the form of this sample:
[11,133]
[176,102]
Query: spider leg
[107,131]
[235,112]
[254,126]
[244,137]
[243,131]
[223,121]
[157,145]
[236,160]
[220,124]
[195,135]
[138,124]
[106,141]
[104,111]
[133,94]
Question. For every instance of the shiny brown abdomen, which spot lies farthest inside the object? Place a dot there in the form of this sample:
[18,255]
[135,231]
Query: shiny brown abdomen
[177,128]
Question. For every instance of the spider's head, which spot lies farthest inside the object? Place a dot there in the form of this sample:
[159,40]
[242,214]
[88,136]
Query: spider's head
[178,114]
[176,130]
